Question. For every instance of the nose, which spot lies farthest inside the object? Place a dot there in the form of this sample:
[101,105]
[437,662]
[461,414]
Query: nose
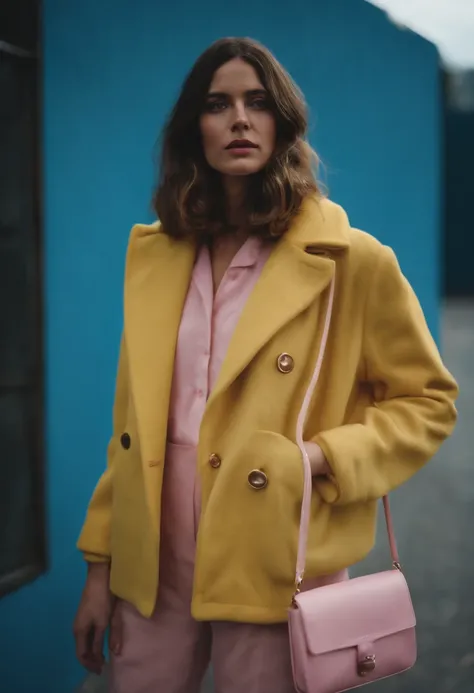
[241,121]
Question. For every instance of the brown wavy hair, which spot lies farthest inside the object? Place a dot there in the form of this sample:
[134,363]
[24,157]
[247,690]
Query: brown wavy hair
[189,199]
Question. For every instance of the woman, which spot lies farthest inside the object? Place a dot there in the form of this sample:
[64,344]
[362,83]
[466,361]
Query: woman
[193,526]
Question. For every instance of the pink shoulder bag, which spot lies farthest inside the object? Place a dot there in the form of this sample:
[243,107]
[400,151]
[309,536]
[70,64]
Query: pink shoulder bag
[353,632]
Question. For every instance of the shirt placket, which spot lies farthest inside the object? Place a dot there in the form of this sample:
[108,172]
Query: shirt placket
[200,385]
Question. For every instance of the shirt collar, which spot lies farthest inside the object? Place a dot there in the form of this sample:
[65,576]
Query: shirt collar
[248,254]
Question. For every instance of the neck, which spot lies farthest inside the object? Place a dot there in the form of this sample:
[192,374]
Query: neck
[234,190]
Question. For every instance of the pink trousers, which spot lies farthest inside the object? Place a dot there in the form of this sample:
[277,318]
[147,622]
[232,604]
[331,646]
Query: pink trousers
[171,652]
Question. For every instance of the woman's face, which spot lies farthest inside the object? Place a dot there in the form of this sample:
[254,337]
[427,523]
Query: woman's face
[237,126]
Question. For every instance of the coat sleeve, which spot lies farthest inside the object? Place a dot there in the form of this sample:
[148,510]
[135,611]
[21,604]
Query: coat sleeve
[413,406]
[94,540]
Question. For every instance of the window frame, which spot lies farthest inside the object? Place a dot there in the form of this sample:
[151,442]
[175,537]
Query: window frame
[25,574]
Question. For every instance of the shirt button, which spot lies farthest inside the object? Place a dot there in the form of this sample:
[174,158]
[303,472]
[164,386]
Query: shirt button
[200,393]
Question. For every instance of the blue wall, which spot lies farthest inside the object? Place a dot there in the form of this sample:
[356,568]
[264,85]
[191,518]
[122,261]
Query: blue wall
[112,70]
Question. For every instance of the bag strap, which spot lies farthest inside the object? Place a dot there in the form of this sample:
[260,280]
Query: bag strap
[308,480]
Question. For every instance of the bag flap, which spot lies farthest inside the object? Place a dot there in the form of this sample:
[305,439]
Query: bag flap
[360,610]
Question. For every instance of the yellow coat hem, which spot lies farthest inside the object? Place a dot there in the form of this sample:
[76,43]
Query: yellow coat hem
[238,613]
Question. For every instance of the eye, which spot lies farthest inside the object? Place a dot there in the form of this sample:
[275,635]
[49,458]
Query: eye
[260,103]
[215,106]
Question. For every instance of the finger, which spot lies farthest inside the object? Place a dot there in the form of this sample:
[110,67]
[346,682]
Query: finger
[115,640]
[97,649]
[92,665]
[84,654]
[82,642]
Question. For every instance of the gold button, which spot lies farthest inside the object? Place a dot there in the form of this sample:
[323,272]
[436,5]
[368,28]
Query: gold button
[258,479]
[215,460]
[285,363]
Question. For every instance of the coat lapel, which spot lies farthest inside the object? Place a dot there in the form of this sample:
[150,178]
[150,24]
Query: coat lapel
[297,272]
[158,272]
[290,281]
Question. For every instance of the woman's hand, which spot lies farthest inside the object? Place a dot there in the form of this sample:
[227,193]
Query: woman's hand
[97,610]
[317,460]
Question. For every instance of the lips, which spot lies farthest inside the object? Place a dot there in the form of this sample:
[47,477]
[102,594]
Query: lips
[241,144]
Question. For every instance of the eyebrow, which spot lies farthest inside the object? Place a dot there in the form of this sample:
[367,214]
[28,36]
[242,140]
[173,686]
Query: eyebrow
[250,92]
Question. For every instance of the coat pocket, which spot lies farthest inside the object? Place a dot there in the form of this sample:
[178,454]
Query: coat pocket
[248,535]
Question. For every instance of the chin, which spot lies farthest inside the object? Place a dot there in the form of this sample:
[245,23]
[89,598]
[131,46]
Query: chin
[241,168]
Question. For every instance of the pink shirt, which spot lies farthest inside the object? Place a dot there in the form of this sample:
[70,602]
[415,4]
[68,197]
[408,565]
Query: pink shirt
[207,325]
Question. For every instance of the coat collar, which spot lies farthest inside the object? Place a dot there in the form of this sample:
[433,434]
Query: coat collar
[158,273]
[320,224]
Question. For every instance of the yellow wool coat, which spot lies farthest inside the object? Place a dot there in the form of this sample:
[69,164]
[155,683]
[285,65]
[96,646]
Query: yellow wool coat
[383,405]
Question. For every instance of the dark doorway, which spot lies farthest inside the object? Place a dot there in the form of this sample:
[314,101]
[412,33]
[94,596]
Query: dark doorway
[459,185]
[22,526]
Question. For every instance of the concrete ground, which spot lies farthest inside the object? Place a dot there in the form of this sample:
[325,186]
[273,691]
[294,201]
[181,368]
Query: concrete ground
[434,520]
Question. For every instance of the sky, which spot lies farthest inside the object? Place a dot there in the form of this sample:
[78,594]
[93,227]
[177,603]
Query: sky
[447,23]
